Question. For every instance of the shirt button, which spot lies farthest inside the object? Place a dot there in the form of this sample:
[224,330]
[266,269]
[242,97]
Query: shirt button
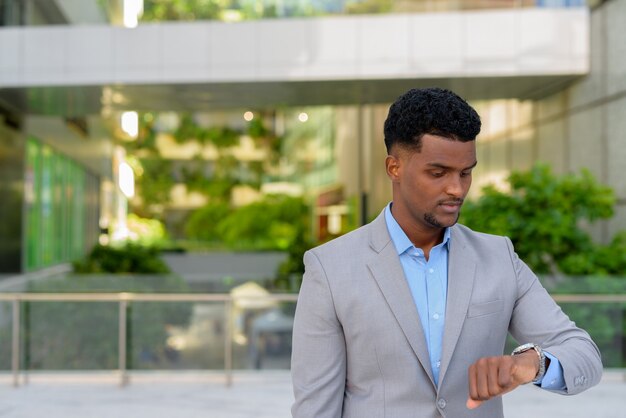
[436,316]
[441,403]
[431,271]
[438,364]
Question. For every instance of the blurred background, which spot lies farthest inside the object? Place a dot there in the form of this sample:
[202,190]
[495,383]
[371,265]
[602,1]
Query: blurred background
[164,164]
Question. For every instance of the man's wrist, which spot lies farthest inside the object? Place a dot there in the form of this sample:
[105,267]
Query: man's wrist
[540,359]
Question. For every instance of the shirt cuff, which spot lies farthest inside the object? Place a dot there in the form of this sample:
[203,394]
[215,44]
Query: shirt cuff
[553,379]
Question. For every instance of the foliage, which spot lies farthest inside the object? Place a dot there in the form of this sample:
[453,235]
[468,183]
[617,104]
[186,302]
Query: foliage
[289,275]
[155,183]
[236,10]
[256,129]
[160,10]
[220,136]
[202,223]
[274,223]
[369,7]
[164,10]
[149,232]
[128,258]
[80,335]
[600,260]
[146,138]
[543,215]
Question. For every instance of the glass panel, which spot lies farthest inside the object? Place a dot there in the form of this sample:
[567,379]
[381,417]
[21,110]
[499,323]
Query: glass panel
[176,335]
[6,332]
[32,197]
[70,335]
[606,323]
[262,335]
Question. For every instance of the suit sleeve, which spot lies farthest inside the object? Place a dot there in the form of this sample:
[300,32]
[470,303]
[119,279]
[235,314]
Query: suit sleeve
[318,361]
[538,319]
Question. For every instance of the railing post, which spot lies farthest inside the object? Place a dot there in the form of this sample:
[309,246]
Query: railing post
[15,349]
[228,342]
[122,342]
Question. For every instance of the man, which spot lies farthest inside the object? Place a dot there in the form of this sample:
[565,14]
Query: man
[408,315]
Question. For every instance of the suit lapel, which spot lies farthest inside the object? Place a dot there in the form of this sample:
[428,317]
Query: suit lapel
[389,275]
[461,272]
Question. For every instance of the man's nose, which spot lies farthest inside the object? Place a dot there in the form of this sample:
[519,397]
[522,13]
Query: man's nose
[454,187]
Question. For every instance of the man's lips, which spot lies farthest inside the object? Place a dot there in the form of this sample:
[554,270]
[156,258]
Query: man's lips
[451,206]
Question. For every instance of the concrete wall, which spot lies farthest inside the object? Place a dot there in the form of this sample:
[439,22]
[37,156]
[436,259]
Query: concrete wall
[531,42]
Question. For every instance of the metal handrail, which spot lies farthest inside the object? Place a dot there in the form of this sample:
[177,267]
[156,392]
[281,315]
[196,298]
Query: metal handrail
[124,298]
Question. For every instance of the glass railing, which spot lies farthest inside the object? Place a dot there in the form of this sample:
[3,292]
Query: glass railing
[127,332]
[130,332]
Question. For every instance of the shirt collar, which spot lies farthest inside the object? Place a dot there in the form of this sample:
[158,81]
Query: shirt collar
[398,236]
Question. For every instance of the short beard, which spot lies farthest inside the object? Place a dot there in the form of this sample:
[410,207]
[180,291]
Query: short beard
[431,220]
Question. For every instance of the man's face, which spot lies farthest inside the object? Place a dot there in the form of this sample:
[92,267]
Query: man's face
[429,186]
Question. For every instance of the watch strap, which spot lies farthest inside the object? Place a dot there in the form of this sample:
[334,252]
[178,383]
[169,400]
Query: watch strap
[542,358]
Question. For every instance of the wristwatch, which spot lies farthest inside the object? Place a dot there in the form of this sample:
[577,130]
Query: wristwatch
[542,358]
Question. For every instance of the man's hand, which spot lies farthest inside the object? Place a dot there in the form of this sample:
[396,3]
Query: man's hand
[494,376]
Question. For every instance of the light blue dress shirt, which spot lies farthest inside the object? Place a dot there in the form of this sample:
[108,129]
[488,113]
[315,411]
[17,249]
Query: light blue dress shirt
[428,282]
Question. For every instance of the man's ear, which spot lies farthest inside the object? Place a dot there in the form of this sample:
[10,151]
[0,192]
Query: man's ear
[392,165]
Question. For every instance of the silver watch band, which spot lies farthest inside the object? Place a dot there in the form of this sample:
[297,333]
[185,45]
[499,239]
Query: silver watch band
[542,358]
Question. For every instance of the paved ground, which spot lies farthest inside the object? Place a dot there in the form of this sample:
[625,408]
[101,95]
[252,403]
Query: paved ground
[253,395]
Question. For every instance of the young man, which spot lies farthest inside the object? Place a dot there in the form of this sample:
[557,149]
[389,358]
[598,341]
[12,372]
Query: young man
[408,315]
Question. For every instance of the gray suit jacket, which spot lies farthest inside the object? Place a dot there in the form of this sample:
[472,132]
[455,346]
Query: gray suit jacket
[359,348]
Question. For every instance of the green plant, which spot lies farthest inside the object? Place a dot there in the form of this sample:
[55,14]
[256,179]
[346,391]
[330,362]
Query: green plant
[542,214]
[202,223]
[127,258]
[156,182]
[220,136]
[274,223]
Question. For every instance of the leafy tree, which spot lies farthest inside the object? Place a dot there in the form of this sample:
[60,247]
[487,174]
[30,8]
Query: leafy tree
[543,215]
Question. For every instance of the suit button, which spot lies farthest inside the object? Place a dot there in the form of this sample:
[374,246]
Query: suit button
[441,403]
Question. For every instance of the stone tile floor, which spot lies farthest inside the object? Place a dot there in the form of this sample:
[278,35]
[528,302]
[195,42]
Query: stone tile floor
[264,394]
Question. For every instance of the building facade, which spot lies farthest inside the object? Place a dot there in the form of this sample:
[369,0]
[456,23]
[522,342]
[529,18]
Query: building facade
[548,79]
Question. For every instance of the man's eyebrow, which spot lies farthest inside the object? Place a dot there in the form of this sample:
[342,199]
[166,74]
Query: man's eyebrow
[445,167]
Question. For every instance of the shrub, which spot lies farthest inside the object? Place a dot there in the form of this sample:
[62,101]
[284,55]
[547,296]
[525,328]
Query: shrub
[542,214]
[128,258]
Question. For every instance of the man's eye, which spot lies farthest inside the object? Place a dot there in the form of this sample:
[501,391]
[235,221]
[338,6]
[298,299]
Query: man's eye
[437,173]
[465,173]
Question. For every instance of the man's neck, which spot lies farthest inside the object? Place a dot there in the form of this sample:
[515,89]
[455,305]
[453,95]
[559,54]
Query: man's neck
[421,237]
[426,240]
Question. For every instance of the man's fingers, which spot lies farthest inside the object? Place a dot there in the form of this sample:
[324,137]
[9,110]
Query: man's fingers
[490,377]
[472,404]
[505,374]
[493,373]
[482,379]
[473,391]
